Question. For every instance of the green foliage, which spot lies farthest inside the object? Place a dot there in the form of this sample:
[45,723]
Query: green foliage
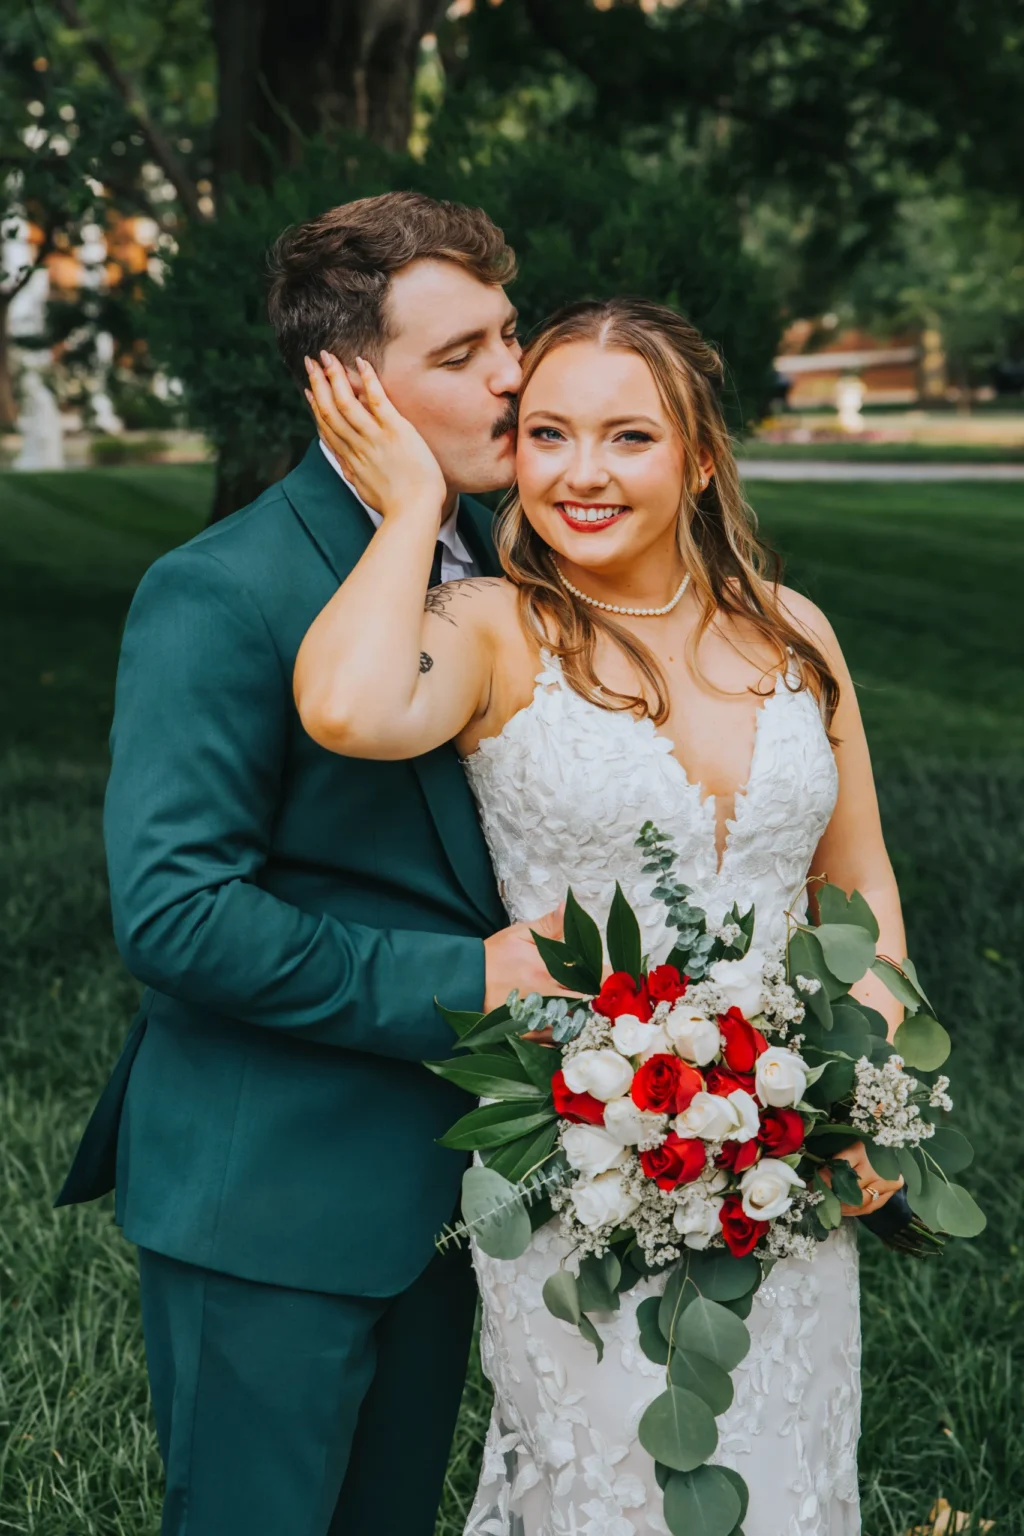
[583,221]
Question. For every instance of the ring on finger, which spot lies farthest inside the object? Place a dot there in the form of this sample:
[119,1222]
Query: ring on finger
[873,1191]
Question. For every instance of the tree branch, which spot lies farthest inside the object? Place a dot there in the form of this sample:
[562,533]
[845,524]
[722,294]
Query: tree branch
[160,145]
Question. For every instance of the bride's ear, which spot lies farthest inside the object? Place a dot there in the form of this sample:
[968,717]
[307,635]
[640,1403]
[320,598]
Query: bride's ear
[706,464]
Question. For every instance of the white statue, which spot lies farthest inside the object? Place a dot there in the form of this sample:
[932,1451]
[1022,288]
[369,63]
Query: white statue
[849,404]
[39,423]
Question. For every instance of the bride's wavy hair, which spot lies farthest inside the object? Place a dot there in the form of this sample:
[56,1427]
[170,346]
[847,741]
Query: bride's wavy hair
[731,570]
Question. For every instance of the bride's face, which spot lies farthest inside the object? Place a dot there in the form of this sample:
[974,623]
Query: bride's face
[599,462]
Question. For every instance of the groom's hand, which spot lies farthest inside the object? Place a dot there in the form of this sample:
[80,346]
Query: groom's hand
[512,962]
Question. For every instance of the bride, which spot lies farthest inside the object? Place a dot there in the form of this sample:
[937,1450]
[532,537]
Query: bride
[639,662]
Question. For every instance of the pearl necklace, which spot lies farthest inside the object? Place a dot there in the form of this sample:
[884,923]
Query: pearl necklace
[633,613]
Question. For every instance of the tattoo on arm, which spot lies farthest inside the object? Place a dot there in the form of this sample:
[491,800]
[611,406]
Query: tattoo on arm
[426,662]
[438,599]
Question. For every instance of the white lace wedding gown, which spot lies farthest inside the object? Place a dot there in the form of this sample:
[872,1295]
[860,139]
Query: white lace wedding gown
[563,792]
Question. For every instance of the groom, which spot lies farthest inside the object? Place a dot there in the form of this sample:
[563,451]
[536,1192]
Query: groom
[269,1130]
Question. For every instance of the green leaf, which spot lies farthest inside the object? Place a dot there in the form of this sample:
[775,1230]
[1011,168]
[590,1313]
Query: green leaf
[719,1276]
[952,1151]
[828,1212]
[560,963]
[701,1503]
[804,958]
[598,1281]
[959,1214]
[926,1203]
[741,1489]
[540,1062]
[678,1429]
[624,944]
[850,1031]
[561,1296]
[884,1161]
[845,1183]
[835,907]
[494,1211]
[834,1084]
[699,1374]
[679,1292]
[742,1305]
[489,1027]
[652,1341]
[922,1042]
[494,1125]
[910,1168]
[713,1331]
[515,1160]
[901,987]
[460,1021]
[911,970]
[662,1475]
[592,1336]
[848,951]
[583,938]
[489,1076]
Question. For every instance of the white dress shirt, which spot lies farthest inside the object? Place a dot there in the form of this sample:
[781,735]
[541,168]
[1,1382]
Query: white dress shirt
[456,560]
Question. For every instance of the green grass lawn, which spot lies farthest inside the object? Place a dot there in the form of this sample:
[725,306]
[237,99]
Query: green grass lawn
[886,453]
[922,584]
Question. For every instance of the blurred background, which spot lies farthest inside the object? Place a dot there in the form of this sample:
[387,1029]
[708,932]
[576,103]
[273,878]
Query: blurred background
[832,191]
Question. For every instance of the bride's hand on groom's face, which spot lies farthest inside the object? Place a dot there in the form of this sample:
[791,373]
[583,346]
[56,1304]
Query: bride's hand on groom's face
[381,453]
[512,963]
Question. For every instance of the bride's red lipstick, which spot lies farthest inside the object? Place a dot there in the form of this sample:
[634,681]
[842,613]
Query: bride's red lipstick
[574,513]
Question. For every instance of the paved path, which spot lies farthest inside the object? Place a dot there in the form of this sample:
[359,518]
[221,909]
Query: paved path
[851,469]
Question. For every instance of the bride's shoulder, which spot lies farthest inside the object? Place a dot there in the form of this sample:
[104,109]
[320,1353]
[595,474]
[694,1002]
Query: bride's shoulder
[808,618]
[477,601]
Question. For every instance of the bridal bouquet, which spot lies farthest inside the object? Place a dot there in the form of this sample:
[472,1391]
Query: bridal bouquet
[686,1122]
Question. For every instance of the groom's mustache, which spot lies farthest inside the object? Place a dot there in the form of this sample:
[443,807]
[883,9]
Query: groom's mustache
[508,421]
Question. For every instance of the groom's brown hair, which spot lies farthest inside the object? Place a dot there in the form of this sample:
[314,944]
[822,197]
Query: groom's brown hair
[330,276]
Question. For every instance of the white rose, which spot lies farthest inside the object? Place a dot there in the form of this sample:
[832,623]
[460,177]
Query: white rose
[628,1124]
[695,1037]
[767,1189]
[748,1118]
[739,982]
[697,1220]
[780,1077]
[592,1150]
[603,1074]
[658,1044]
[631,1037]
[604,1201]
[708,1115]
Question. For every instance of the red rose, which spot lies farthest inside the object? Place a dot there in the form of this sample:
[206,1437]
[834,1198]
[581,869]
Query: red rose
[743,1043]
[738,1156]
[678,1160]
[665,1085]
[665,985]
[620,994]
[782,1131]
[721,1080]
[583,1108]
[741,1232]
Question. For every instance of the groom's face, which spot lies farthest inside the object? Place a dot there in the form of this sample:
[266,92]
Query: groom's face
[452,368]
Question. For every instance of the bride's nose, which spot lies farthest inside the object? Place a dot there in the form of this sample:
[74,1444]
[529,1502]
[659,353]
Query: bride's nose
[586,471]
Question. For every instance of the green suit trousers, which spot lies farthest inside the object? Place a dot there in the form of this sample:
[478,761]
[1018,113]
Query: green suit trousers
[296,1413]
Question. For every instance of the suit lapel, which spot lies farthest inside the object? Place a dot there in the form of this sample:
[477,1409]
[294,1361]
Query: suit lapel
[341,530]
[476,523]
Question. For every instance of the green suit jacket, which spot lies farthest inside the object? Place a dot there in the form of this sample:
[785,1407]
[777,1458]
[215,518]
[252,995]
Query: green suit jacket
[293,915]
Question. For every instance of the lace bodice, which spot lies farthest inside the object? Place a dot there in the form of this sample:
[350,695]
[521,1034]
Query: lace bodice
[566,786]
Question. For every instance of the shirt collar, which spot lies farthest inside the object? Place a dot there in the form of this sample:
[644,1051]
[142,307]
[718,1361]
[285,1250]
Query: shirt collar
[447,534]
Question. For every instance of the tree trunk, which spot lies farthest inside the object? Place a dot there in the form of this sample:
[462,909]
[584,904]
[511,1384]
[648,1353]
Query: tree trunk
[8,404]
[290,69]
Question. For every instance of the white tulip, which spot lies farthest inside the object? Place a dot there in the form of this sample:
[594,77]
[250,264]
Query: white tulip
[630,1125]
[591,1150]
[780,1077]
[603,1074]
[630,1037]
[604,1201]
[695,1037]
[697,1219]
[766,1189]
[740,982]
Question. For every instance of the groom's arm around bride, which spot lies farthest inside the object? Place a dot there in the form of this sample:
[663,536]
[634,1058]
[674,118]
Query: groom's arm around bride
[269,1131]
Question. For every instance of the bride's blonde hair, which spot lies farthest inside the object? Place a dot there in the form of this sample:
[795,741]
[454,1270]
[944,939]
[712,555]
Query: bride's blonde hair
[731,570]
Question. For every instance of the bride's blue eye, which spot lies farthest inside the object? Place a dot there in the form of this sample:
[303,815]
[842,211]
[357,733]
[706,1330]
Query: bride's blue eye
[546,434]
[635,437]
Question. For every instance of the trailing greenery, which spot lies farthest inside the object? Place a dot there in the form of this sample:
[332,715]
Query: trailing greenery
[582,218]
[922,583]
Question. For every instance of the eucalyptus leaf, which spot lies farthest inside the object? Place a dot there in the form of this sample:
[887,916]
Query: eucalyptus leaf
[952,1151]
[911,970]
[741,1489]
[959,1214]
[833,1083]
[678,1429]
[598,1280]
[850,1031]
[494,1211]
[742,1306]
[701,1503]
[922,1042]
[713,1331]
[927,1200]
[561,1296]
[829,1211]
[624,944]
[845,1183]
[721,1277]
[652,1341]
[835,907]
[699,1374]
[901,987]
[592,1336]
[848,951]
[679,1292]
[885,1161]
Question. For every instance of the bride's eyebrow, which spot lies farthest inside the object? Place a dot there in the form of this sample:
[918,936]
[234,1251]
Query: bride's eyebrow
[614,421]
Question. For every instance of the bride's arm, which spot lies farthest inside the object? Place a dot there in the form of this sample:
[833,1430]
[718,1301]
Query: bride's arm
[379,674]
[852,852]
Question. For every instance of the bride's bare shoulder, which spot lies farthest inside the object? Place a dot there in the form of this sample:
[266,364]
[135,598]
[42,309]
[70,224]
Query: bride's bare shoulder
[478,601]
[807,616]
